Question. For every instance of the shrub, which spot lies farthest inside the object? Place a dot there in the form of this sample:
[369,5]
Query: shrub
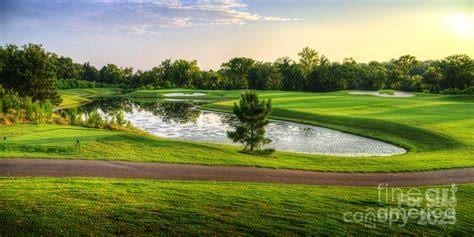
[95,120]
[74,83]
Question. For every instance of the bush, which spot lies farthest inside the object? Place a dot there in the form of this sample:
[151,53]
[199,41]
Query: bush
[456,91]
[95,120]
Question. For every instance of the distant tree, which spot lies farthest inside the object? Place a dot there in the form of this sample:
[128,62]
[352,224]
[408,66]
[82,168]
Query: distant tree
[361,76]
[458,72]
[235,72]
[89,73]
[252,114]
[431,79]
[401,72]
[28,71]
[309,58]
[264,76]
[326,78]
[292,74]
[406,64]
[376,76]
[111,74]
[151,78]
[183,72]
[207,80]
[65,68]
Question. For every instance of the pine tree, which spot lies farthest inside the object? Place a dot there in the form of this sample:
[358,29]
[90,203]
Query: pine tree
[252,114]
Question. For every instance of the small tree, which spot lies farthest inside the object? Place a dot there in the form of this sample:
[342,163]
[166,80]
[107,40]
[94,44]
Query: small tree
[252,114]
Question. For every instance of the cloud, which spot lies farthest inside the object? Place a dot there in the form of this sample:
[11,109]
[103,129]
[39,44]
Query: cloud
[147,16]
[134,17]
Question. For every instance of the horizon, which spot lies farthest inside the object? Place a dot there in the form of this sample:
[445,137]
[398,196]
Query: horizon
[142,33]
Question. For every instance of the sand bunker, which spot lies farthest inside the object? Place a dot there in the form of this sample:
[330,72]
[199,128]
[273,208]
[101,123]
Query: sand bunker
[376,93]
[184,94]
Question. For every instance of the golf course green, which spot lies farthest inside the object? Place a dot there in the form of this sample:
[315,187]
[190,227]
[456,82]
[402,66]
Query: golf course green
[435,129]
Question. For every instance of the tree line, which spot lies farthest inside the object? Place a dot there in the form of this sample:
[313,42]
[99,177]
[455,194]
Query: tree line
[31,71]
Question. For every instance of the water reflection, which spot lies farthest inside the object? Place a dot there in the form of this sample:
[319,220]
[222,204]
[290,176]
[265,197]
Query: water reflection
[181,120]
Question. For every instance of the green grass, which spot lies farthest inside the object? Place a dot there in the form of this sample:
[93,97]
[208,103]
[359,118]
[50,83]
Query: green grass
[49,206]
[437,130]
[77,97]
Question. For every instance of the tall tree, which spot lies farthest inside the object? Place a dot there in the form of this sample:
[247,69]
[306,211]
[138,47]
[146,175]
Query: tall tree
[184,72]
[458,72]
[252,114]
[65,67]
[264,76]
[309,59]
[236,72]
[401,72]
[207,80]
[28,70]
[292,74]
[431,79]
[111,74]
[89,73]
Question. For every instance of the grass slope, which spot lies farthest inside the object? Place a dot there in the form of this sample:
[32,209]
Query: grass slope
[45,206]
[77,97]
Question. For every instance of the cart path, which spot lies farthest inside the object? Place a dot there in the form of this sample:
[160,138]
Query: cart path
[163,171]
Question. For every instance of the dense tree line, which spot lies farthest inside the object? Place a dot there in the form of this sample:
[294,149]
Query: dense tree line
[31,71]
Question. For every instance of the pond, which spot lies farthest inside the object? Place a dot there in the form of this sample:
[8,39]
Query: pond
[181,120]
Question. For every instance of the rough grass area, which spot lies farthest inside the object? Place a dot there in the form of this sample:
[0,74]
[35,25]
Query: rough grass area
[54,207]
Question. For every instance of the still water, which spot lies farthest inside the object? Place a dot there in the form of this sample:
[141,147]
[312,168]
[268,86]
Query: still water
[181,120]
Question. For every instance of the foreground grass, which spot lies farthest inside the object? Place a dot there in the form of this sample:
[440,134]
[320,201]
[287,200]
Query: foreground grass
[77,97]
[44,206]
[60,142]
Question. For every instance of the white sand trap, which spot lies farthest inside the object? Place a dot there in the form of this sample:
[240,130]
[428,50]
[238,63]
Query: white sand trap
[184,94]
[376,93]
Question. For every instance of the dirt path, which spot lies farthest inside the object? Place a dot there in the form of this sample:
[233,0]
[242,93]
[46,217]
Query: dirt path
[119,169]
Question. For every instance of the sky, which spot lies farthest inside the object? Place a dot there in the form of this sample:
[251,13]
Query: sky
[142,33]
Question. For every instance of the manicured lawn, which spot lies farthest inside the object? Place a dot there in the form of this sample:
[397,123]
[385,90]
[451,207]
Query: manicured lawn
[44,206]
[77,97]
